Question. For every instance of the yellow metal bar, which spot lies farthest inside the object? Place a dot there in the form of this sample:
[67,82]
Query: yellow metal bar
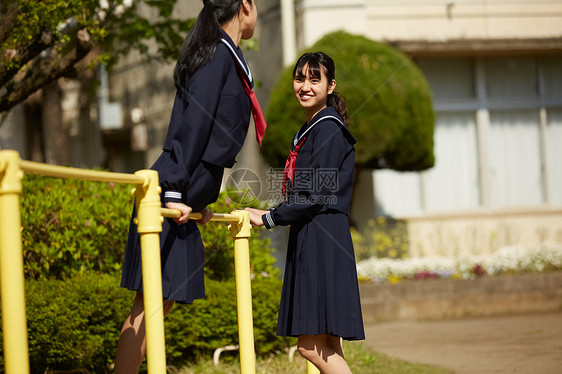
[311,369]
[241,232]
[67,172]
[149,221]
[12,289]
[174,213]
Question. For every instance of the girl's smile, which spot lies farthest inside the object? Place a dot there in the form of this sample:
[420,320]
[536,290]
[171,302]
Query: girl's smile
[312,91]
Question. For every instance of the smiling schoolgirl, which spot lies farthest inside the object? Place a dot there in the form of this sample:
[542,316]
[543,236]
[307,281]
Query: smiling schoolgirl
[320,300]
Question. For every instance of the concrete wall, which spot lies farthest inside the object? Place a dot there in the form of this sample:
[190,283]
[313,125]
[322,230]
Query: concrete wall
[447,298]
[483,232]
[463,19]
[441,21]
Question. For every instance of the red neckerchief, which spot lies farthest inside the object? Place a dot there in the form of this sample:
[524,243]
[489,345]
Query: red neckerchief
[259,119]
[289,171]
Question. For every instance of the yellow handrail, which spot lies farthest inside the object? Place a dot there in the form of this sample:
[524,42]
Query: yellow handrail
[68,172]
[149,226]
[14,322]
[311,369]
[224,217]
[241,232]
[149,221]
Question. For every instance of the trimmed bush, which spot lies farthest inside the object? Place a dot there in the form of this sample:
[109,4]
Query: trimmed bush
[75,324]
[70,226]
[196,330]
[388,99]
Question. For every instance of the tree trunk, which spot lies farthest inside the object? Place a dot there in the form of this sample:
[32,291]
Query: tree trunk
[363,204]
[54,132]
[34,147]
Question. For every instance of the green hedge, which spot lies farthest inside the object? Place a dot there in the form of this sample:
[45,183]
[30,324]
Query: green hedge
[210,323]
[75,324]
[389,103]
[70,226]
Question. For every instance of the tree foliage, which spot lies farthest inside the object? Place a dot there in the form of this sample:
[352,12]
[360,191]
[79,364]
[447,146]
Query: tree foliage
[389,104]
[41,41]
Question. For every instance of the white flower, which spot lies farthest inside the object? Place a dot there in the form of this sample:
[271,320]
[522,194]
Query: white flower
[507,259]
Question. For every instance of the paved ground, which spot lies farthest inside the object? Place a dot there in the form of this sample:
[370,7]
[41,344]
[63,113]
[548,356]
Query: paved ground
[511,344]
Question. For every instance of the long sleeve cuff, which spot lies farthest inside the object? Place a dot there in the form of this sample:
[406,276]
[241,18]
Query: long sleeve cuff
[268,220]
[172,197]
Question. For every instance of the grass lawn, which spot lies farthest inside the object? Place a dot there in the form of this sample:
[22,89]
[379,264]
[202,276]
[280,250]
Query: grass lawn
[361,359]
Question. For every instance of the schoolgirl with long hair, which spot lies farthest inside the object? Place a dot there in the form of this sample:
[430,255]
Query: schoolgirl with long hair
[208,126]
[320,299]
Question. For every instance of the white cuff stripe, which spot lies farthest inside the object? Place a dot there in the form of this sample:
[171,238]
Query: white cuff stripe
[173,194]
[269,219]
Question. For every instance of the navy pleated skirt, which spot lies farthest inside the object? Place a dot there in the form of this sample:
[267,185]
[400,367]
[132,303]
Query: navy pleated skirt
[320,289]
[181,247]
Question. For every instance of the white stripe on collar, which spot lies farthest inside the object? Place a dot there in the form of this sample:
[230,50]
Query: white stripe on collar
[244,65]
[297,138]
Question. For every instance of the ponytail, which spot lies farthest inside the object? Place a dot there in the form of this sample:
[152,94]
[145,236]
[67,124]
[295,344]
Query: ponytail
[200,43]
[338,102]
[317,61]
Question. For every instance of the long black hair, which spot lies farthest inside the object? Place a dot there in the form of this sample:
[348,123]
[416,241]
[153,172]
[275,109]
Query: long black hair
[317,61]
[199,45]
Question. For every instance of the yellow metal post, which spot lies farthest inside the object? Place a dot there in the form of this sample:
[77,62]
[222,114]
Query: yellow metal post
[14,323]
[149,221]
[241,232]
[311,369]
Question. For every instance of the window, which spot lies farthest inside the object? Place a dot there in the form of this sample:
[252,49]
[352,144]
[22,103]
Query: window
[497,136]
[554,156]
[511,77]
[514,162]
[448,186]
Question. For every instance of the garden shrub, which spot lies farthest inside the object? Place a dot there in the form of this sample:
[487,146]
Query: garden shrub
[196,330]
[384,237]
[74,324]
[388,99]
[70,225]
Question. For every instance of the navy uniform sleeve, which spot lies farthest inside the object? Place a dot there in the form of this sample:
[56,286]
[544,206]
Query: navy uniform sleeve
[191,134]
[328,152]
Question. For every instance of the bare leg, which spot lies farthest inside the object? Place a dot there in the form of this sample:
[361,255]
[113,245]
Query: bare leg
[325,352]
[131,348]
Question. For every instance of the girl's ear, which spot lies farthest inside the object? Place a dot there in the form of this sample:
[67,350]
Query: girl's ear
[245,8]
[332,86]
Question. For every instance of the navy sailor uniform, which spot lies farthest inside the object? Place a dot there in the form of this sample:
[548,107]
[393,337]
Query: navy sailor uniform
[320,289]
[207,129]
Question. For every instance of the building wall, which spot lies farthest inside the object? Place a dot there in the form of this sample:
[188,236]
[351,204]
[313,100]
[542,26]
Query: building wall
[409,20]
[462,19]
[146,92]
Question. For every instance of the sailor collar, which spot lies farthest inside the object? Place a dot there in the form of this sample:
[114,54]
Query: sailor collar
[239,57]
[328,114]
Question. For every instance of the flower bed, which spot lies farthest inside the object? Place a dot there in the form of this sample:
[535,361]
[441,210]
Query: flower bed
[511,260]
